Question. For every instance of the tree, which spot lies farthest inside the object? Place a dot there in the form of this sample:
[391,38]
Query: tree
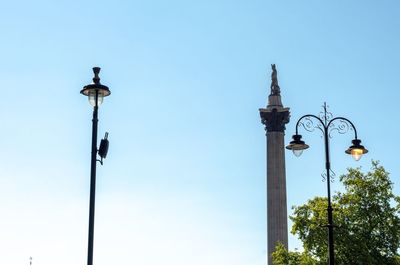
[366,219]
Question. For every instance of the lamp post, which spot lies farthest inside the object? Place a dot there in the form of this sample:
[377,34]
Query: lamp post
[95,93]
[326,124]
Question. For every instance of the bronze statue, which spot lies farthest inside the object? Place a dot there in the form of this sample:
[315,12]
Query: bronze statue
[275,90]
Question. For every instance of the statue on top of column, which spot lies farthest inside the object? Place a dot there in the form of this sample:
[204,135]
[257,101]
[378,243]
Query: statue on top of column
[275,90]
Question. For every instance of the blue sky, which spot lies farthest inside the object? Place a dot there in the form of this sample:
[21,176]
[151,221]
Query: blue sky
[184,181]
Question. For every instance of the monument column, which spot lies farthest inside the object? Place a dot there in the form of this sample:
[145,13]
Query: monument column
[274,117]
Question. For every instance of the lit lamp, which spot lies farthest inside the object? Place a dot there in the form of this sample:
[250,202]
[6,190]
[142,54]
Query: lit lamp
[356,150]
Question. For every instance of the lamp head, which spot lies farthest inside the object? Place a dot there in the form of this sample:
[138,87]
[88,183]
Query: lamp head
[356,150]
[297,145]
[95,90]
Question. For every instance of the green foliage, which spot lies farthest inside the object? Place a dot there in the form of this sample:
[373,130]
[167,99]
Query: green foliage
[366,219]
[283,257]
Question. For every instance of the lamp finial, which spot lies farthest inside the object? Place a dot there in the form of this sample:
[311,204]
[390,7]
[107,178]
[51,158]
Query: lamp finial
[96,78]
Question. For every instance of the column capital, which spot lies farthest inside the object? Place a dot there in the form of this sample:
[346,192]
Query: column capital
[275,119]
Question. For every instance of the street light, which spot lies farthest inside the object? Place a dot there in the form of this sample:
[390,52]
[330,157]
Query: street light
[326,124]
[95,93]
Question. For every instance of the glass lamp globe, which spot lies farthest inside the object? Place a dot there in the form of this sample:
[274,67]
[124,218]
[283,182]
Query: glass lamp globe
[92,98]
[356,154]
[297,152]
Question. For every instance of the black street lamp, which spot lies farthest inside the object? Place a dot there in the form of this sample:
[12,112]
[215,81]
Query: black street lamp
[326,124]
[95,92]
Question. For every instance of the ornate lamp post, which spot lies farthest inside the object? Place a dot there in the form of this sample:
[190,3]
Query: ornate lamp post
[326,124]
[95,93]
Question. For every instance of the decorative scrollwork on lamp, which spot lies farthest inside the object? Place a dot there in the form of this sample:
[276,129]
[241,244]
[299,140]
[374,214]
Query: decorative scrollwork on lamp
[340,126]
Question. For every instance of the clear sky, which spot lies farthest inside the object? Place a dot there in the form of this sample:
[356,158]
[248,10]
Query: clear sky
[184,180]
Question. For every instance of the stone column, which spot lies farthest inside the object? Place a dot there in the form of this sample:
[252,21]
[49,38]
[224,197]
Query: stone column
[274,117]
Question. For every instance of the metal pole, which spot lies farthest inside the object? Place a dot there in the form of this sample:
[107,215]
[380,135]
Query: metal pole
[329,209]
[92,182]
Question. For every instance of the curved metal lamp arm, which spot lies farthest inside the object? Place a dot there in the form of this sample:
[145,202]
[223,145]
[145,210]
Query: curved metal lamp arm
[311,116]
[347,120]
